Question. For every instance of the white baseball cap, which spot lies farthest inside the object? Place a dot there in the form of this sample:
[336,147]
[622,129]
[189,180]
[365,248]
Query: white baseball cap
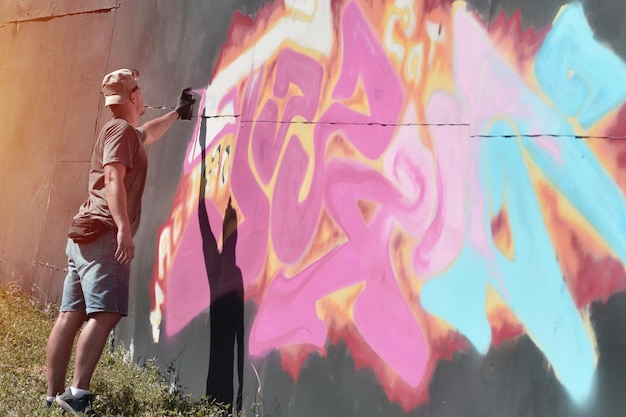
[117,86]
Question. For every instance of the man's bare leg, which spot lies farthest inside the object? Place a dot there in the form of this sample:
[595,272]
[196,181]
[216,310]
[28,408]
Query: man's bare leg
[59,349]
[89,347]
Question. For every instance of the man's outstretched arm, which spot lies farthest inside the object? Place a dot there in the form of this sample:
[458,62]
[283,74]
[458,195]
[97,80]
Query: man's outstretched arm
[156,128]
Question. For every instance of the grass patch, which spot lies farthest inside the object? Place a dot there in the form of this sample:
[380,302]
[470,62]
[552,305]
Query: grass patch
[121,388]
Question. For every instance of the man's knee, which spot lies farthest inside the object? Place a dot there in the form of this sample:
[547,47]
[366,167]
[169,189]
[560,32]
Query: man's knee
[71,319]
[106,320]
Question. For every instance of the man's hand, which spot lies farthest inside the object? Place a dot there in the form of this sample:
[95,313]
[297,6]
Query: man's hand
[184,105]
[125,247]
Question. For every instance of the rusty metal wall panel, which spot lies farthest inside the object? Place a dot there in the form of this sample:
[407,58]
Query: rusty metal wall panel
[50,75]
[25,10]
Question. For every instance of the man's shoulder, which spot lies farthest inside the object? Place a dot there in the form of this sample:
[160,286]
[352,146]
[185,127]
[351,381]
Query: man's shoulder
[118,128]
[118,123]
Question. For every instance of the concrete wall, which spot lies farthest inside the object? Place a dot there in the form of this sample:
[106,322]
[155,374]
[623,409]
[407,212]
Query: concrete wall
[386,208]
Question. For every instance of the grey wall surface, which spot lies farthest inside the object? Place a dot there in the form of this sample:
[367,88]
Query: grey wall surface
[383,271]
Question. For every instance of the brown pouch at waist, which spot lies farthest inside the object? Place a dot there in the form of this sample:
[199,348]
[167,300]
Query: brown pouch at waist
[86,230]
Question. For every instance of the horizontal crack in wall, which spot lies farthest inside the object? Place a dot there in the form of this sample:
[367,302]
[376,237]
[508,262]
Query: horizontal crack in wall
[45,18]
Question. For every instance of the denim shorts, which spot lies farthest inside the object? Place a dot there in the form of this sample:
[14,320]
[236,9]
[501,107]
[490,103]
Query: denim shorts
[95,281]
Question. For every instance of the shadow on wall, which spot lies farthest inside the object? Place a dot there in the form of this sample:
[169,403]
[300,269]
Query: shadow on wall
[227,299]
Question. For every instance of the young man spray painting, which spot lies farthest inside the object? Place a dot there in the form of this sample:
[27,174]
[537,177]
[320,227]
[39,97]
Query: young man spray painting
[100,245]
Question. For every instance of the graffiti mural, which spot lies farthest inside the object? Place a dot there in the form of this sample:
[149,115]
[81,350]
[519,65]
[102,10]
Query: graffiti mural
[408,181]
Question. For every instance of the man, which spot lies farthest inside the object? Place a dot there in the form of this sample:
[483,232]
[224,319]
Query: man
[101,246]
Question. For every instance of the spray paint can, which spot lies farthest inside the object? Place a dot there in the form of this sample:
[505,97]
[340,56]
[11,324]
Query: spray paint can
[187,96]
